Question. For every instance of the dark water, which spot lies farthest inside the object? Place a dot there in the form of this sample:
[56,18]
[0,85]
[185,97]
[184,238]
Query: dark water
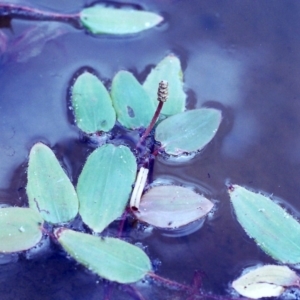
[240,56]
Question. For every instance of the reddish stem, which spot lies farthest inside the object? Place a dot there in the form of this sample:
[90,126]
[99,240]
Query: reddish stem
[122,223]
[45,231]
[151,125]
[28,12]
[136,292]
[169,282]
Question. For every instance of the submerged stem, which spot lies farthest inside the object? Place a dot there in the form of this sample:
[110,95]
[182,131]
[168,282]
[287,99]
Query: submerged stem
[169,282]
[162,96]
[123,218]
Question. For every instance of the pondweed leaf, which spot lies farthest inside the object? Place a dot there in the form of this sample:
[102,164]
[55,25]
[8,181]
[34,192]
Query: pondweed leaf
[132,104]
[273,229]
[49,190]
[111,258]
[266,281]
[92,104]
[188,131]
[104,185]
[171,206]
[100,19]
[20,229]
[168,69]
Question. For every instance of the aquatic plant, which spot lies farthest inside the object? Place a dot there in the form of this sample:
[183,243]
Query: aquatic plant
[105,183]
[117,171]
[97,19]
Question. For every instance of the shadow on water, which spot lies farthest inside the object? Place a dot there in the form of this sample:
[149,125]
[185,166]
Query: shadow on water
[239,56]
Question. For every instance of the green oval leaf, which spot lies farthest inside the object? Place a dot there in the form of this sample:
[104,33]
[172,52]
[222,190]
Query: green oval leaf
[110,258]
[132,104]
[92,104]
[265,281]
[20,229]
[168,69]
[273,229]
[172,206]
[104,185]
[99,19]
[49,190]
[188,131]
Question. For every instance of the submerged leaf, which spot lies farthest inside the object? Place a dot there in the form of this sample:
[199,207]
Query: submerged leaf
[3,42]
[172,206]
[49,190]
[32,42]
[92,104]
[272,228]
[99,19]
[132,104]
[20,229]
[110,258]
[104,185]
[188,131]
[168,69]
[266,281]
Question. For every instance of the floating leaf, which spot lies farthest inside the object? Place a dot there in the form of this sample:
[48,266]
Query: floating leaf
[132,104]
[172,206]
[110,258]
[49,190]
[188,131]
[99,19]
[92,104]
[168,69]
[20,229]
[273,229]
[266,281]
[104,185]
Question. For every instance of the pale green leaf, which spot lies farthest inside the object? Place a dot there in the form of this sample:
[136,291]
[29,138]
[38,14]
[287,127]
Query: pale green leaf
[110,258]
[172,206]
[272,228]
[49,190]
[132,104]
[100,19]
[20,229]
[265,281]
[188,131]
[92,104]
[104,185]
[169,69]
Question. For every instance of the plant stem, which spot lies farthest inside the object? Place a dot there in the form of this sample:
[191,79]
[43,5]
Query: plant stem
[162,96]
[169,282]
[123,219]
[50,234]
[135,292]
[151,125]
[36,14]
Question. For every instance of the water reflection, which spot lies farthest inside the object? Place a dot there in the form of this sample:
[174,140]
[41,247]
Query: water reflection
[183,230]
[245,132]
[216,74]
[226,75]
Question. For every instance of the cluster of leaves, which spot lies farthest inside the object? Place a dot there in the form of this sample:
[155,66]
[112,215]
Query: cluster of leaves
[277,233]
[105,183]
